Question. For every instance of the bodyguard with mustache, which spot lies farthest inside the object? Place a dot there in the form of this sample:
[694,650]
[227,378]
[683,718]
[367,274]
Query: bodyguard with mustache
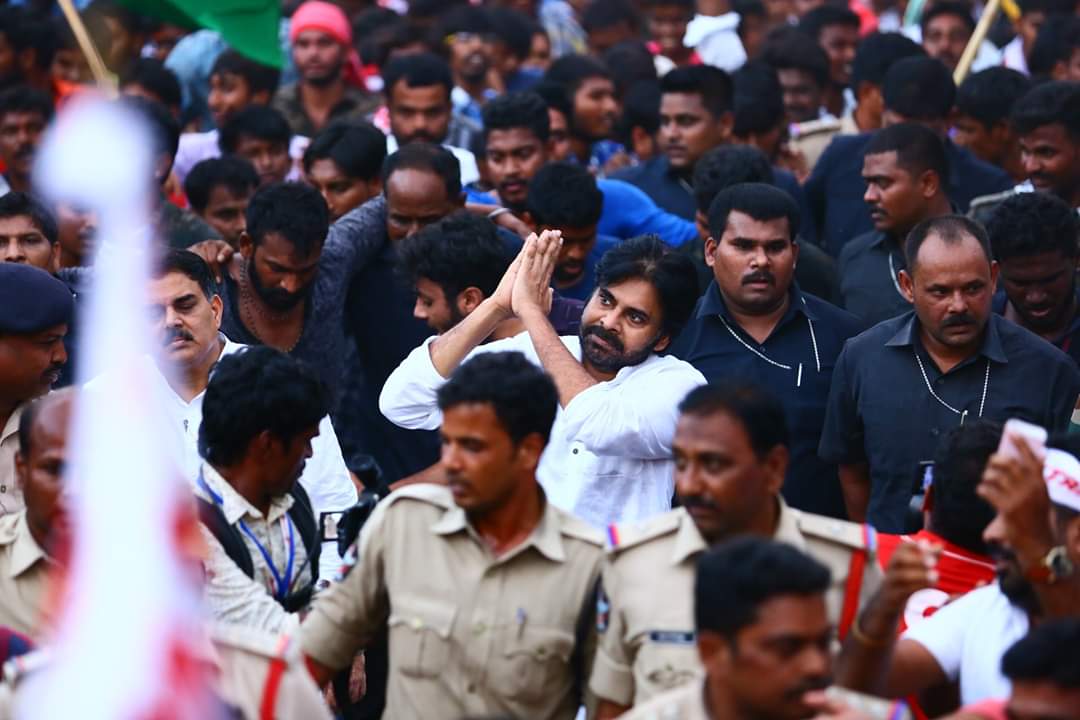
[755,324]
[609,458]
[731,451]
[762,634]
[35,310]
[900,385]
[905,168]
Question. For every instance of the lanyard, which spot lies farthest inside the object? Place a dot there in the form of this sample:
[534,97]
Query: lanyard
[283,582]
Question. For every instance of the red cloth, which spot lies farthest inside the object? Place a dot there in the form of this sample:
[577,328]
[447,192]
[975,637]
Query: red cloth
[868,21]
[959,572]
[330,19]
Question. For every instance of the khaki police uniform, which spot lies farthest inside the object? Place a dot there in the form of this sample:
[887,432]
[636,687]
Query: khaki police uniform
[646,636]
[255,674]
[470,634]
[11,499]
[812,137]
[24,571]
[683,703]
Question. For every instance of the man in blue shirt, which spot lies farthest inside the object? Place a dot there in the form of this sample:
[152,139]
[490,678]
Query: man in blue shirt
[917,90]
[1034,237]
[563,196]
[899,386]
[518,139]
[905,168]
[695,116]
[754,324]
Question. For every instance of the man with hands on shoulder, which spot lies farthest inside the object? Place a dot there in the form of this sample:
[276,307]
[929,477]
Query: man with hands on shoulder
[1035,539]
[609,458]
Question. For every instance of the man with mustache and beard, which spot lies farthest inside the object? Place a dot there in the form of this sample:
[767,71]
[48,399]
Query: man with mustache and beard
[1035,538]
[24,114]
[35,309]
[609,457]
[330,86]
[187,312]
[762,635]
[899,386]
[905,168]
[754,323]
[1034,237]
[731,455]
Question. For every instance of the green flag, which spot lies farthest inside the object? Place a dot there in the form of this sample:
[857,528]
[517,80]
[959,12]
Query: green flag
[249,26]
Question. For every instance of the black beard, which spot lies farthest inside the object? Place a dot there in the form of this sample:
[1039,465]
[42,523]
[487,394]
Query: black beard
[617,361]
[276,299]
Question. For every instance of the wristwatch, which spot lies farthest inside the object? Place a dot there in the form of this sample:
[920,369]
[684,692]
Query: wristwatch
[1055,565]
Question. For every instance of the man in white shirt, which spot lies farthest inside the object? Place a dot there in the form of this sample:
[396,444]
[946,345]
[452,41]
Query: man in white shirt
[262,412]
[1036,541]
[609,458]
[189,317]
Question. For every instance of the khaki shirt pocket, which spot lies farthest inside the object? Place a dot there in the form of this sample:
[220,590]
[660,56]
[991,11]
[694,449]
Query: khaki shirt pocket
[420,635]
[535,663]
[665,664]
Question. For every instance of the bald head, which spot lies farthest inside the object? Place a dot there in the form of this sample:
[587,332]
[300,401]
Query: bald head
[40,462]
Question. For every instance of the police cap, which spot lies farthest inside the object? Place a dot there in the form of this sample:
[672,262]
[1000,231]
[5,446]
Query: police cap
[31,300]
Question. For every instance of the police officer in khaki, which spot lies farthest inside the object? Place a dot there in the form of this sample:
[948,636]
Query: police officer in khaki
[487,588]
[26,536]
[730,459]
[35,309]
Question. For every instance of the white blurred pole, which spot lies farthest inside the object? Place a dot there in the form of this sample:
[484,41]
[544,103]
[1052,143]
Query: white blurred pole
[126,603]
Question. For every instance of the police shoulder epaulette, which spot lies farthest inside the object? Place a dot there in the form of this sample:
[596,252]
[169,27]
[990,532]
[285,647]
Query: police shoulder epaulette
[425,492]
[251,640]
[575,527]
[625,536]
[814,127]
[842,532]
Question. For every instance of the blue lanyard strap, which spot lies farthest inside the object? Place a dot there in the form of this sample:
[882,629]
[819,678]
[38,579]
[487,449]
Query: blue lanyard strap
[283,583]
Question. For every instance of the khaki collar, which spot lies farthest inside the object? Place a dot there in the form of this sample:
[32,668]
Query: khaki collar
[688,542]
[787,527]
[546,537]
[25,552]
[233,505]
[11,427]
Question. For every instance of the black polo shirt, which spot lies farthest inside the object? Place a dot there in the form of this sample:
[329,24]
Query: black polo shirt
[881,412]
[720,354]
[1068,342]
[868,267]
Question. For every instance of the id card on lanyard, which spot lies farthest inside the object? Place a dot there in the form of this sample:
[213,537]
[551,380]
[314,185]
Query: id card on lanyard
[282,581]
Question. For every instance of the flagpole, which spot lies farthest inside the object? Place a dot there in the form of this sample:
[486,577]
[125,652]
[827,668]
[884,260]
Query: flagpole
[989,14]
[105,79]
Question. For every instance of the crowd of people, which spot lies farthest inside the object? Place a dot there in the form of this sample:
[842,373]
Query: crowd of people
[582,358]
